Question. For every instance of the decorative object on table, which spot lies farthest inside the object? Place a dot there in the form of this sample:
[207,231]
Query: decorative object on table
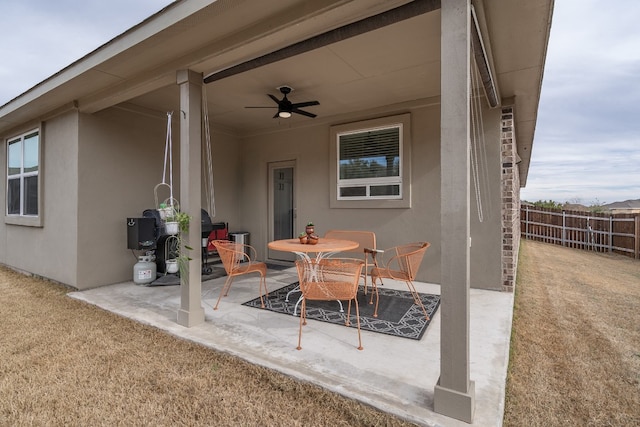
[303,238]
[398,315]
[312,239]
[310,229]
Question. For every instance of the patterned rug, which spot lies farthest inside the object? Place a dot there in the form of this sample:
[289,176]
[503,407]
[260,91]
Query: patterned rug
[397,314]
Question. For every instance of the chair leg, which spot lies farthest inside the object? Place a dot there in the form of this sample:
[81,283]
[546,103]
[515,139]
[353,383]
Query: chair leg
[416,298]
[224,291]
[263,283]
[358,324]
[374,290]
[303,321]
[347,321]
[366,269]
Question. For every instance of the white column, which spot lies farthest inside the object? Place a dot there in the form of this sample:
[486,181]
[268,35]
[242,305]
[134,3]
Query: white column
[454,394]
[191,312]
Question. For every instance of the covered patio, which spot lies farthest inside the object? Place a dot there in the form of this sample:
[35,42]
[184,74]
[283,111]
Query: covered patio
[389,374]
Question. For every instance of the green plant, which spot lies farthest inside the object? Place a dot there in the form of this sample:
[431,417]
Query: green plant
[310,224]
[302,235]
[184,220]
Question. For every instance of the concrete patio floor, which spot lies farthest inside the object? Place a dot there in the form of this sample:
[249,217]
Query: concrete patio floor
[396,375]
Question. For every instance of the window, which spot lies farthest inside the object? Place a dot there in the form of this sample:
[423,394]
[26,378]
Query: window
[23,171]
[371,163]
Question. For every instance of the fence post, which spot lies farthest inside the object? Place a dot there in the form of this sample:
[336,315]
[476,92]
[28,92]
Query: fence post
[564,224]
[610,234]
[637,237]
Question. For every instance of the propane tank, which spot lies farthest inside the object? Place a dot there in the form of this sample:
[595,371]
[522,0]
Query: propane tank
[144,271]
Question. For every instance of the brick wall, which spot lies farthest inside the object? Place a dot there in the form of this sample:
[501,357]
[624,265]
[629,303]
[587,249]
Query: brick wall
[510,200]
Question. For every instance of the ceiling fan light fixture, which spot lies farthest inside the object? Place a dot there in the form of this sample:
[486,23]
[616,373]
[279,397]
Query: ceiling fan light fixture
[286,108]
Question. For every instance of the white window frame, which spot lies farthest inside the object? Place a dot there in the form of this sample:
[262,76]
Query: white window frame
[22,218]
[367,183]
[403,199]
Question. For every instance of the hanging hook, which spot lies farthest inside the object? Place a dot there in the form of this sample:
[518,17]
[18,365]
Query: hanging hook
[184,115]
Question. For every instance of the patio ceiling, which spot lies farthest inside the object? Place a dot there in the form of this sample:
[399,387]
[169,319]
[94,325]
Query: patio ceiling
[397,65]
[346,77]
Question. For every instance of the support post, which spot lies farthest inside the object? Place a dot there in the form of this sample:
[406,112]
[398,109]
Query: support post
[454,394]
[191,312]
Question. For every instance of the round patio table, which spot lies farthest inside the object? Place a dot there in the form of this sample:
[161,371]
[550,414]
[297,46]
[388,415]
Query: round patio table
[324,248]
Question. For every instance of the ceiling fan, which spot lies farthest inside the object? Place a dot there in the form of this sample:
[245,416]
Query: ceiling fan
[286,107]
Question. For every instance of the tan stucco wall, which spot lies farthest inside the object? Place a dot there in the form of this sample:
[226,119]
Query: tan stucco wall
[50,250]
[486,234]
[309,147]
[120,160]
[227,177]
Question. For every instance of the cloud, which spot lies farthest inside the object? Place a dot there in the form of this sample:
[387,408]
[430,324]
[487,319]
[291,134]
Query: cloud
[588,131]
[587,142]
[41,37]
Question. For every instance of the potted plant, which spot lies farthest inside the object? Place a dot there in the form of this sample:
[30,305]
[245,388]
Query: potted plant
[171,266]
[165,211]
[303,238]
[176,225]
[183,220]
[171,225]
[312,239]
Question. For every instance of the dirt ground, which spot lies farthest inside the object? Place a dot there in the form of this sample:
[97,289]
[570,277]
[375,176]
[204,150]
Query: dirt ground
[575,353]
[575,359]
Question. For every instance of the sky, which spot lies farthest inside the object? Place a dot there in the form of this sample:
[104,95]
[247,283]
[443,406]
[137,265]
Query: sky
[587,143]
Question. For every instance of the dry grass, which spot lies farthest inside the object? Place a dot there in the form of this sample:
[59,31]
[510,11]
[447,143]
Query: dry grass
[575,359]
[575,354]
[64,362]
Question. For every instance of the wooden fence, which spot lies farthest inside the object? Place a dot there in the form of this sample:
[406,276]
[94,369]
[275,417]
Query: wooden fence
[598,232]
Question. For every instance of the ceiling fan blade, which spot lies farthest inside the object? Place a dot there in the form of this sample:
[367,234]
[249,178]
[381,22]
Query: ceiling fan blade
[304,113]
[276,100]
[305,104]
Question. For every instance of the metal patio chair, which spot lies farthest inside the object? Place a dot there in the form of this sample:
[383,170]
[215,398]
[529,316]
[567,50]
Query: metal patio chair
[332,279]
[402,264]
[366,251]
[238,259]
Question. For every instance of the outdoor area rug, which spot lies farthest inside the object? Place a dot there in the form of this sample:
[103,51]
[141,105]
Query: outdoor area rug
[397,314]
